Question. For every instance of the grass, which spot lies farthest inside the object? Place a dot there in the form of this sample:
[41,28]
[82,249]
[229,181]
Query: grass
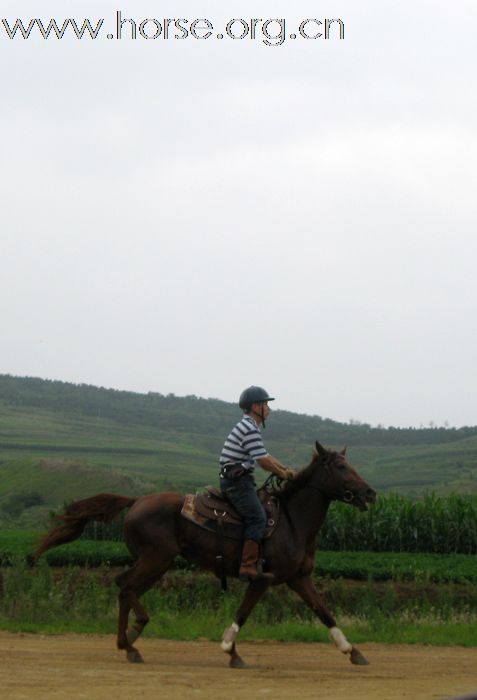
[205,626]
[142,452]
[189,606]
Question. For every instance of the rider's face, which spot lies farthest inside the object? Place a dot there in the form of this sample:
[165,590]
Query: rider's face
[266,409]
[261,409]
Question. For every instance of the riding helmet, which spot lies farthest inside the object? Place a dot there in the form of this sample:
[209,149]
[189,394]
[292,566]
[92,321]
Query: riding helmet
[253,394]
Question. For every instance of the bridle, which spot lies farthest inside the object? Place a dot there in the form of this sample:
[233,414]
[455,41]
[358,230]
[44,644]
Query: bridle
[347,496]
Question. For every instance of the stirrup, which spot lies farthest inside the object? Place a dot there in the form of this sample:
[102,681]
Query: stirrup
[260,574]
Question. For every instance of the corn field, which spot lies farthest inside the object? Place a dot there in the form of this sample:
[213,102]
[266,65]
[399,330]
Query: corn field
[439,525]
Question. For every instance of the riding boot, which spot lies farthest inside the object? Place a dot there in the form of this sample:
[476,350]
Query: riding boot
[250,568]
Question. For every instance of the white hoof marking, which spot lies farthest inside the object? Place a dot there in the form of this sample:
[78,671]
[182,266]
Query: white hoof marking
[340,640]
[229,637]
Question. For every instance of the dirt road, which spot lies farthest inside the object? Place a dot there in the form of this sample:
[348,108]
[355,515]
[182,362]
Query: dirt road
[84,666]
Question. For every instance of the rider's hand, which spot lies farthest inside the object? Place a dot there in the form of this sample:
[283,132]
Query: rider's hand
[289,474]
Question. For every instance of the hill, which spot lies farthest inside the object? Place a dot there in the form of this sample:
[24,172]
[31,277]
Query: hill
[104,439]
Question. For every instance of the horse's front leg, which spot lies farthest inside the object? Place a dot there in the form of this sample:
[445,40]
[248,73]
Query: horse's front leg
[306,590]
[254,592]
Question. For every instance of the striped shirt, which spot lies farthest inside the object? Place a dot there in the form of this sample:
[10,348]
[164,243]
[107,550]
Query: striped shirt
[244,445]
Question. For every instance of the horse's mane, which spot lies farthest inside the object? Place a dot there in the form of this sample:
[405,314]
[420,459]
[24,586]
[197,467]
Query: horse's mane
[302,477]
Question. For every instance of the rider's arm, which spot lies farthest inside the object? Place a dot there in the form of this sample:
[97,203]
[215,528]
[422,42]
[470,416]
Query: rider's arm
[270,464]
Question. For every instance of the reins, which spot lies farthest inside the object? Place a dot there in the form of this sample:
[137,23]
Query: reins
[272,483]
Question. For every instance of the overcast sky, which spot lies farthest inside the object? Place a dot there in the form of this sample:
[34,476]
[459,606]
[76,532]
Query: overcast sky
[194,216]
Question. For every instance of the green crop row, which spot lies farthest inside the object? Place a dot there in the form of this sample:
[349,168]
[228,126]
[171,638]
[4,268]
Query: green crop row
[19,544]
[380,566]
[399,566]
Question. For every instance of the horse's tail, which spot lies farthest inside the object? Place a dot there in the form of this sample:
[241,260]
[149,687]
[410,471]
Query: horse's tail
[104,507]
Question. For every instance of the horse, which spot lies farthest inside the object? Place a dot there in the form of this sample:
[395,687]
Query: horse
[155,533]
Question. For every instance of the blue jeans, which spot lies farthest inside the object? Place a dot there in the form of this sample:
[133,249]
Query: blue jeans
[242,495]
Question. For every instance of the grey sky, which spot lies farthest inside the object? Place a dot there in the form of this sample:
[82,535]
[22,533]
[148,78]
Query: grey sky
[195,216]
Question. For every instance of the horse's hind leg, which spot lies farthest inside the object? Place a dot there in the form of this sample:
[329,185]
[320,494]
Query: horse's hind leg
[306,590]
[128,599]
[254,592]
[133,583]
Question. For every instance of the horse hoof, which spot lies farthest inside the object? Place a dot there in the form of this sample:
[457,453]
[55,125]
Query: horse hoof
[237,662]
[134,657]
[357,658]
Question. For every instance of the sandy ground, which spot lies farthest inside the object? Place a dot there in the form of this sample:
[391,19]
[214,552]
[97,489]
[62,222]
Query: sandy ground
[86,666]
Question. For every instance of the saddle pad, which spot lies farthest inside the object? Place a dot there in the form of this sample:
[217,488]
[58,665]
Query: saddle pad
[205,509]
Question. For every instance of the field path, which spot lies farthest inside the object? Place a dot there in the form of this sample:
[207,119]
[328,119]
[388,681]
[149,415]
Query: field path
[87,666]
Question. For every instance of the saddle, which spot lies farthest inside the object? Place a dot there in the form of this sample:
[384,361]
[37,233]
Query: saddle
[211,510]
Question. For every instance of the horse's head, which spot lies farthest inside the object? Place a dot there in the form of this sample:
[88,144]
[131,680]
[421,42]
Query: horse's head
[335,477]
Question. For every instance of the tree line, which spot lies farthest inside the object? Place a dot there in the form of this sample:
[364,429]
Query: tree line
[192,414]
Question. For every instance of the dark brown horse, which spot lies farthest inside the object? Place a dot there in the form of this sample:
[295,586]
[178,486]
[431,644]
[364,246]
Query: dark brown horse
[156,532]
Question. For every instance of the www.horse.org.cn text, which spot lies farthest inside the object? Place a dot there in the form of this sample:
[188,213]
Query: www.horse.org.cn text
[271,32]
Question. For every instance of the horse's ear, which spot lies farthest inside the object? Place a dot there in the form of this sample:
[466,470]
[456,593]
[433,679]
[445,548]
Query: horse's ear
[320,449]
[343,452]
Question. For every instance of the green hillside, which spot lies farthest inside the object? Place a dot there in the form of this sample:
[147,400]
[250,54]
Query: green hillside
[61,441]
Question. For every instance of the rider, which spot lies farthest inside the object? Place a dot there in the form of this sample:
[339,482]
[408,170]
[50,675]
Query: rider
[243,447]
